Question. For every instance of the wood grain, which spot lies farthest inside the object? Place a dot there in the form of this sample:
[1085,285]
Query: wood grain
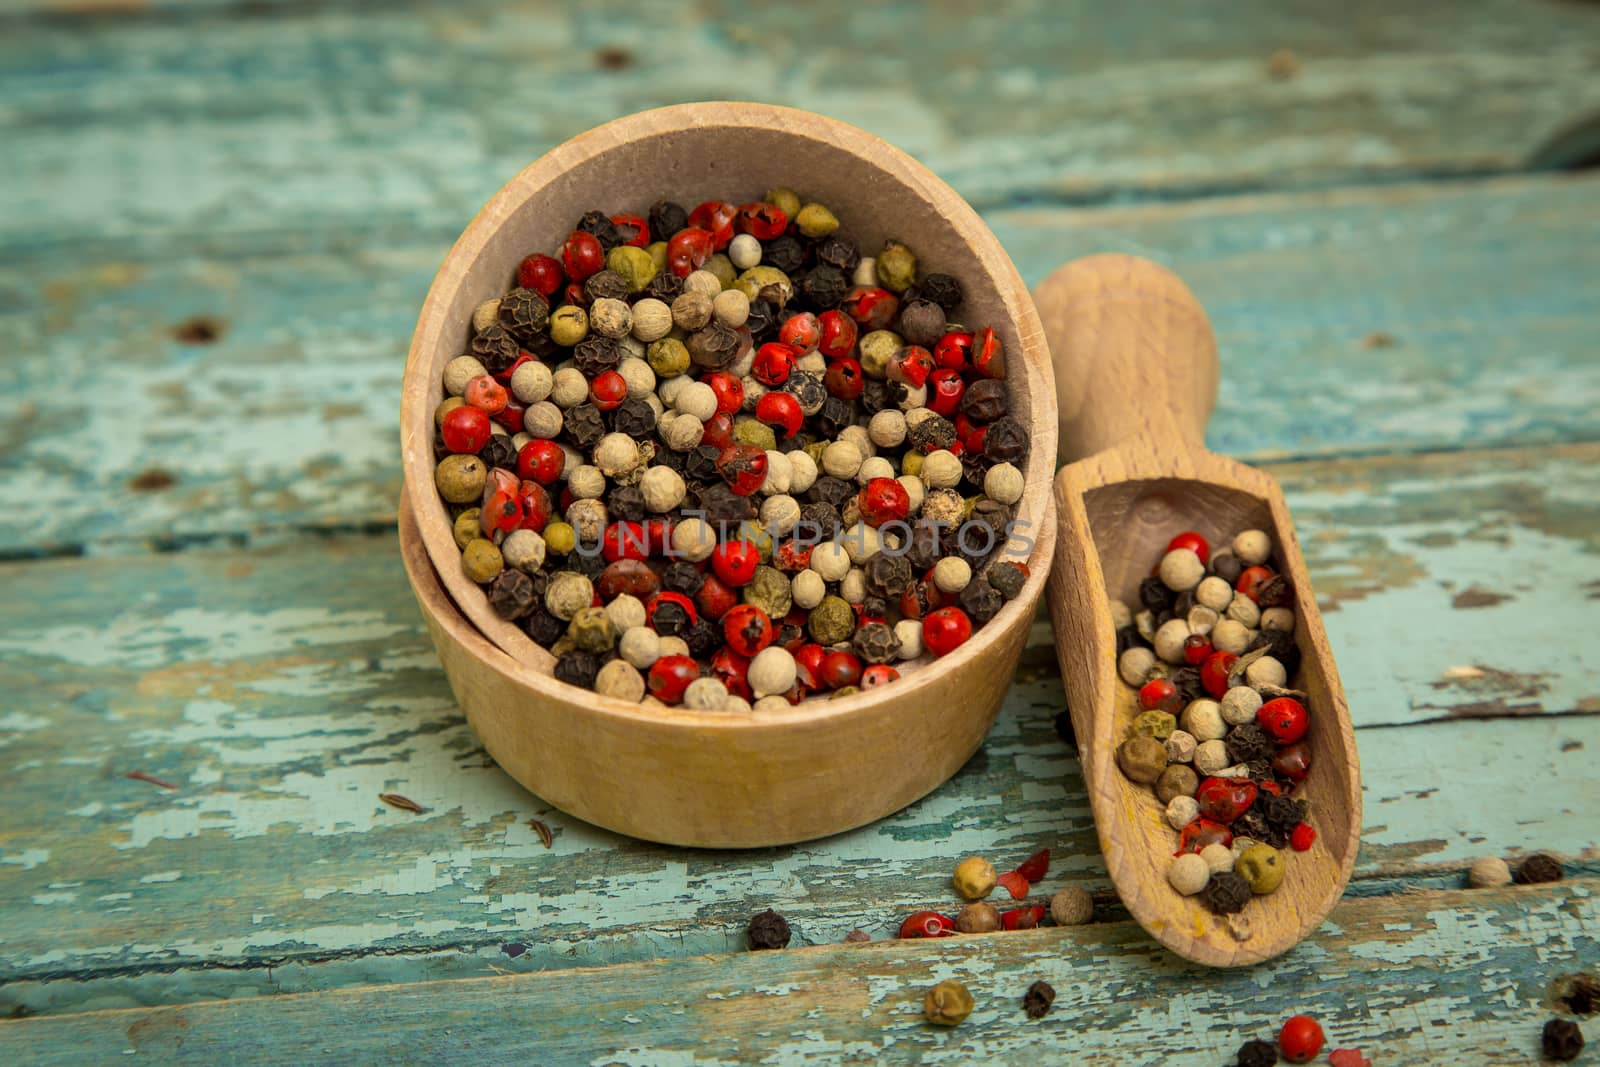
[284,688]
[1458,976]
[1488,343]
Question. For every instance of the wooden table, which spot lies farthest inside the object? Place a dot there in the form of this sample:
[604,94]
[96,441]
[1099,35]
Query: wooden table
[218,223]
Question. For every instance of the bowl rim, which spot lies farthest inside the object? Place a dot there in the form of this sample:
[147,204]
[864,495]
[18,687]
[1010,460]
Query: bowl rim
[417,453]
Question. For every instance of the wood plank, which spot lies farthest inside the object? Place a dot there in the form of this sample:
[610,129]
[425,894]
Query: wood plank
[201,121]
[282,689]
[287,421]
[1459,976]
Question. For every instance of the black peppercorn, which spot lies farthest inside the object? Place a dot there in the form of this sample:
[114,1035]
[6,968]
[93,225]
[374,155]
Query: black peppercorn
[1226,565]
[838,252]
[923,550]
[681,576]
[876,397]
[792,444]
[808,390]
[785,253]
[594,355]
[700,463]
[981,601]
[768,930]
[606,283]
[1186,680]
[1562,1040]
[1182,603]
[1539,867]
[1009,578]
[1037,1000]
[714,346]
[1006,441]
[625,503]
[1258,1054]
[524,313]
[834,416]
[823,287]
[1127,637]
[922,323]
[762,321]
[974,465]
[499,452]
[1247,742]
[588,564]
[495,348]
[1253,824]
[671,619]
[666,219]
[1226,893]
[1282,813]
[931,434]
[636,418]
[585,425]
[875,606]
[511,594]
[541,347]
[830,490]
[671,457]
[985,400]
[875,642]
[821,515]
[543,627]
[665,286]
[703,638]
[788,634]
[604,230]
[1154,595]
[942,289]
[722,505]
[578,668]
[888,575]
[1275,592]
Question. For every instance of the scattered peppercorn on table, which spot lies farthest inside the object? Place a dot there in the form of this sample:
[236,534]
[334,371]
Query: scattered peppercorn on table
[221,225]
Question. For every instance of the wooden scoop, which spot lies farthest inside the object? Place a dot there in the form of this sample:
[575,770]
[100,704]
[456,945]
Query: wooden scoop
[1136,378]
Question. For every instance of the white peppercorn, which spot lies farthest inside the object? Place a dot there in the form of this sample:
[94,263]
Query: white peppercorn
[1490,872]
[691,309]
[861,542]
[842,459]
[731,308]
[1188,873]
[1004,483]
[610,317]
[1145,623]
[952,574]
[771,672]
[663,488]
[620,679]
[733,702]
[681,432]
[1210,757]
[1278,619]
[1242,609]
[616,454]
[1239,705]
[542,420]
[587,482]
[652,320]
[531,381]
[459,371]
[830,561]
[1252,547]
[568,593]
[1169,640]
[745,251]
[705,694]
[1202,619]
[674,646]
[1214,593]
[524,550]
[943,506]
[1237,770]
[813,362]
[853,586]
[1182,810]
[780,473]
[866,272]
[1072,906]
[1180,746]
[940,469]
[909,633]
[1230,635]
[1218,857]
[887,428]
[1265,671]
[807,589]
[702,281]
[1181,570]
[587,519]
[914,398]
[1134,665]
[697,399]
[875,467]
[780,514]
[775,702]
[915,492]
[694,539]
[569,387]
[637,374]
[486,314]
[640,646]
[1203,719]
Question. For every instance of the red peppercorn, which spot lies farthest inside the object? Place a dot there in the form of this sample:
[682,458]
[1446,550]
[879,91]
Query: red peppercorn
[541,461]
[762,221]
[1302,837]
[1027,918]
[575,294]
[582,255]
[510,417]
[1159,694]
[883,500]
[781,410]
[608,390]
[623,540]
[502,510]
[728,389]
[773,364]
[535,503]
[732,670]
[718,432]
[911,366]
[1292,761]
[465,429]
[1347,1057]
[748,629]
[1251,579]
[1214,672]
[792,557]
[945,630]
[485,394]
[1201,832]
[1196,649]
[801,332]
[844,378]
[837,334]
[1036,866]
[743,467]
[735,562]
[1194,543]
[1300,1039]
[637,225]
[927,924]
[679,599]
[840,668]
[974,440]
[504,376]
[1284,719]
[1225,799]
[988,354]
[688,251]
[659,531]
[670,675]
[541,273]
[716,218]
[808,665]
[715,598]
[871,307]
[878,674]
[953,351]
[945,390]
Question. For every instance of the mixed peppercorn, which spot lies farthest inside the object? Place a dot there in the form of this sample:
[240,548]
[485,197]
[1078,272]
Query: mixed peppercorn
[718,457]
[1219,737]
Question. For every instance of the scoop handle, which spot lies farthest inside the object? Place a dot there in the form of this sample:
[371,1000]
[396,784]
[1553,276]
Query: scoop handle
[1133,353]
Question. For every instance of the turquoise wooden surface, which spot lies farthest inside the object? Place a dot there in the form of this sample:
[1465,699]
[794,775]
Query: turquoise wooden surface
[1407,320]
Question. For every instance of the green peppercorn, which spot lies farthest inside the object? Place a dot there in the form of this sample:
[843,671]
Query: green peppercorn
[815,450]
[911,463]
[559,538]
[878,350]
[844,691]
[481,561]
[1156,724]
[1178,780]
[721,268]
[667,357]
[569,324]
[592,630]
[1142,758]
[634,264]
[765,283]
[460,478]
[947,1004]
[751,431]
[658,255]
[1261,866]
[897,267]
[770,591]
[755,533]
[785,200]
[833,621]
[815,220]
[468,528]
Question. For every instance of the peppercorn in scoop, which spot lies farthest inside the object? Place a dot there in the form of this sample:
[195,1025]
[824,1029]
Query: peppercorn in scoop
[720,458]
[1218,736]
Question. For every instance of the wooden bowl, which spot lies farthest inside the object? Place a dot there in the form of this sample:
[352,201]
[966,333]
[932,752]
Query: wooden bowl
[675,775]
